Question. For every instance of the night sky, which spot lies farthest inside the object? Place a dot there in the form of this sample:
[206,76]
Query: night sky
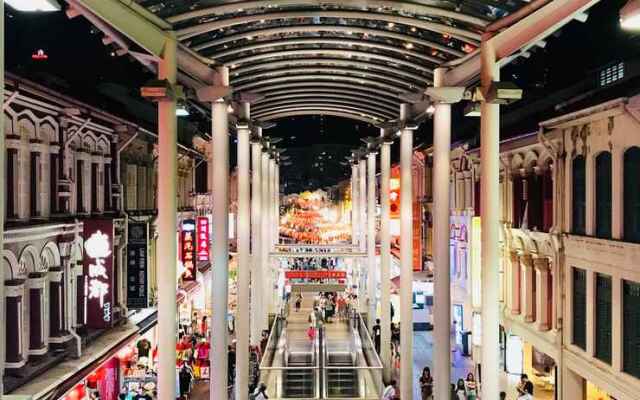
[81,66]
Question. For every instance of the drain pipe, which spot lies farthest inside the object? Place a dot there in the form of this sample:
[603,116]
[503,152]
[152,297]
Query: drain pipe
[72,283]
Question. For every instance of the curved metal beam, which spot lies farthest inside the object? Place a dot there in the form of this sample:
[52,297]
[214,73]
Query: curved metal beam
[329,28]
[332,41]
[334,113]
[349,104]
[460,34]
[331,91]
[402,6]
[328,85]
[313,77]
[338,106]
[330,62]
[321,111]
[325,71]
[327,52]
[314,95]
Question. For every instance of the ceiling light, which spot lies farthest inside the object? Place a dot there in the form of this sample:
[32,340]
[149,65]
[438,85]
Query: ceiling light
[414,29]
[431,109]
[391,25]
[249,37]
[34,5]
[408,45]
[630,15]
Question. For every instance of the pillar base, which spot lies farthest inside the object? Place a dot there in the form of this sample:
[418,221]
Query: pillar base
[543,327]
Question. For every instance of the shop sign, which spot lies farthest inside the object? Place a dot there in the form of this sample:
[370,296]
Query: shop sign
[315,274]
[187,240]
[137,285]
[202,228]
[108,384]
[98,268]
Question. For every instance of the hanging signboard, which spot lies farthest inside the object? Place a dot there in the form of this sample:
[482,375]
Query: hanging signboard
[202,230]
[98,271]
[315,274]
[137,285]
[188,249]
[417,236]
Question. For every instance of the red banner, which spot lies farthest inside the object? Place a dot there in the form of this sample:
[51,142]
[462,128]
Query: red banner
[188,247]
[202,229]
[315,274]
[98,270]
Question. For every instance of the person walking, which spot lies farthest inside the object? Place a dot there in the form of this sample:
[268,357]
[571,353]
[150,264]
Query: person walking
[377,334]
[472,387]
[390,391]
[461,391]
[426,384]
[525,388]
[260,392]
[298,302]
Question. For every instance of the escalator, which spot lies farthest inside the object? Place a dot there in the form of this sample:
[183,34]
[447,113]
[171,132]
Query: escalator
[342,378]
[298,380]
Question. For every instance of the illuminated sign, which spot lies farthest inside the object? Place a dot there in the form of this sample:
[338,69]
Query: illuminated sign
[98,267]
[187,238]
[202,225]
[315,274]
[137,285]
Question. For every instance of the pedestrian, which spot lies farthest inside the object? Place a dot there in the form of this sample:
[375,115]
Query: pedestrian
[390,392]
[298,302]
[525,388]
[260,392]
[185,378]
[426,384]
[377,334]
[461,391]
[472,387]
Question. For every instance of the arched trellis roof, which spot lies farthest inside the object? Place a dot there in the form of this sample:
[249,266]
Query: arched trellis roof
[372,49]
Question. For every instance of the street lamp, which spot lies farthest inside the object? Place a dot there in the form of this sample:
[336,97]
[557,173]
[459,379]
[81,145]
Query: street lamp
[630,15]
[34,5]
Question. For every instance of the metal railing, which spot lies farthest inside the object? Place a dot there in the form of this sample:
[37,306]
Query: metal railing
[275,369]
[366,368]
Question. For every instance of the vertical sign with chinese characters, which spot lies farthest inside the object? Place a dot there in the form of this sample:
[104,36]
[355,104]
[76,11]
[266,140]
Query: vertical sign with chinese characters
[188,249]
[202,228]
[98,271]
[137,285]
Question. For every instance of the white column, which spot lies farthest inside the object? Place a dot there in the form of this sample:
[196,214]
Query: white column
[167,228]
[406,265]
[266,269]
[244,243]
[257,278]
[385,260]
[276,225]
[355,203]
[362,240]
[490,214]
[371,237]
[355,222]
[273,263]
[220,251]
[442,284]
[3,321]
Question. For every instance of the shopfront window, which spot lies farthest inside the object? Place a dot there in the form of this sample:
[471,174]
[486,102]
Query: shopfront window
[631,218]
[579,196]
[603,195]
[603,318]
[631,328]
[580,308]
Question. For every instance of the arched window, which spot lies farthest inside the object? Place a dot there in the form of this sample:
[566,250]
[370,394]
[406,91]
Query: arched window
[632,195]
[579,205]
[603,195]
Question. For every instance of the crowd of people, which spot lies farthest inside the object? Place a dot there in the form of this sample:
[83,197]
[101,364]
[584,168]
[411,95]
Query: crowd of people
[312,264]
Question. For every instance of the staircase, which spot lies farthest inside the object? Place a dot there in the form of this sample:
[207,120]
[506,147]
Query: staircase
[342,382]
[298,383]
